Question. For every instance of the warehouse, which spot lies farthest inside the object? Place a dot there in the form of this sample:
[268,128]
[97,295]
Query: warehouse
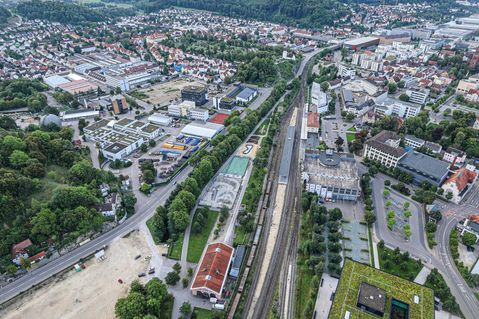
[331,176]
[160,119]
[79,114]
[424,168]
[206,130]
[211,274]
[359,43]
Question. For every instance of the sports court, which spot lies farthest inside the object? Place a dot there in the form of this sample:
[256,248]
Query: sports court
[237,166]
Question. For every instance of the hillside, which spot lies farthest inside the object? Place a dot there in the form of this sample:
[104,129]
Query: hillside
[4,15]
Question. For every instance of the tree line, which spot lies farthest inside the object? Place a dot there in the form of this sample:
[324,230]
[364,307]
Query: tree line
[22,93]
[173,218]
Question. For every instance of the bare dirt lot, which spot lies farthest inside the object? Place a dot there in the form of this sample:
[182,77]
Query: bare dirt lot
[164,93]
[91,293]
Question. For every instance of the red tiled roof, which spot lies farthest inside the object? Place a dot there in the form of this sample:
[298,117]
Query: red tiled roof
[462,177]
[313,119]
[40,255]
[20,247]
[213,268]
[219,118]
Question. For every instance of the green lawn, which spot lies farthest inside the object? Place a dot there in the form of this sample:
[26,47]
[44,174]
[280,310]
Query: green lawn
[198,241]
[151,228]
[241,237]
[354,274]
[203,313]
[351,129]
[350,137]
[397,265]
[176,248]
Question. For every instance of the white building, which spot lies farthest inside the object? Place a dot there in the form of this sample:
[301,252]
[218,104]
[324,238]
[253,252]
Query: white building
[204,130]
[79,114]
[384,148]
[414,142]
[319,98]
[160,119]
[182,109]
[398,108]
[459,184]
[198,114]
[455,156]
[246,95]
[346,71]
[418,96]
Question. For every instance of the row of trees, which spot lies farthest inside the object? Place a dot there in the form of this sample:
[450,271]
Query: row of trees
[173,218]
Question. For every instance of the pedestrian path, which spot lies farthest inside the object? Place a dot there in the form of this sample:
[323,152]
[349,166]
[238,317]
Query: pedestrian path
[422,276]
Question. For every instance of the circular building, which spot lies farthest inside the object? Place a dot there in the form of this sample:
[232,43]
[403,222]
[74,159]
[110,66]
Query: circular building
[50,119]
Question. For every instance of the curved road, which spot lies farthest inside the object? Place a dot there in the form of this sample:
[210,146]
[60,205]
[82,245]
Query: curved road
[440,257]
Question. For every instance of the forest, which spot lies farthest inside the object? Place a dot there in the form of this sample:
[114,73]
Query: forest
[68,13]
[48,189]
[15,94]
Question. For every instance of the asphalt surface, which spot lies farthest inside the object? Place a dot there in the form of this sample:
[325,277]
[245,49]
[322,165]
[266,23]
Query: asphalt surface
[439,257]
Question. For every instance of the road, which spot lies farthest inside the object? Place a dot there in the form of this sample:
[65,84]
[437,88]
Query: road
[439,257]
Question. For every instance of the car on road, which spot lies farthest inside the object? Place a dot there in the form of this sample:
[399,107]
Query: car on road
[141,274]
[151,271]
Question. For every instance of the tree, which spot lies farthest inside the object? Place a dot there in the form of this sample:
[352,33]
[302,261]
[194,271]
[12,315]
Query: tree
[369,217]
[11,270]
[386,193]
[18,159]
[339,142]
[324,86]
[152,143]
[177,268]
[404,97]
[185,282]
[407,230]
[449,195]
[185,308]
[25,263]
[392,88]
[144,148]
[407,213]
[469,239]
[172,278]
[133,306]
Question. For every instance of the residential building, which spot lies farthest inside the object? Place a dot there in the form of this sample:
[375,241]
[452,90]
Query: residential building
[19,251]
[198,114]
[454,156]
[433,147]
[332,176]
[197,94]
[418,96]
[384,148]
[346,70]
[399,108]
[313,122]
[119,104]
[211,274]
[413,142]
[459,184]
[464,86]
[424,168]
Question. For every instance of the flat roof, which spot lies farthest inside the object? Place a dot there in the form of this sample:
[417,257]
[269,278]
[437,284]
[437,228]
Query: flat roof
[286,156]
[372,297]
[425,164]
[361,40]
[354,274]
[115,148]
[207,130]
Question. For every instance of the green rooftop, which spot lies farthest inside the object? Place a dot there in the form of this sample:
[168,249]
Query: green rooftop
[354,274]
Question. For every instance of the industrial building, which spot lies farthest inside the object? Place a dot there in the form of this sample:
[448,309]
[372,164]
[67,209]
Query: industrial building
[246,95]
[198,114]
[211,274]
[331,175]
[160,119]
[71,83]
[424,168]
[359,43]
[197,94]
[74,115]
[182,109]
[204,130]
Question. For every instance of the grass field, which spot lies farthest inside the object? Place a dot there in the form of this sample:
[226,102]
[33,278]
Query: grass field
[198,241]
[350,137]
[241,237]
[396,265]
[176,248]
[354,274]
[202,313]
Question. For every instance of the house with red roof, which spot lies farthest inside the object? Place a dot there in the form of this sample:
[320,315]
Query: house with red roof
[19,251]
[459,184]
[211,274]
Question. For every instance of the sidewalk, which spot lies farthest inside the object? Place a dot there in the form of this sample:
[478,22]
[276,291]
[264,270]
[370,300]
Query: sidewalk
[324,301]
